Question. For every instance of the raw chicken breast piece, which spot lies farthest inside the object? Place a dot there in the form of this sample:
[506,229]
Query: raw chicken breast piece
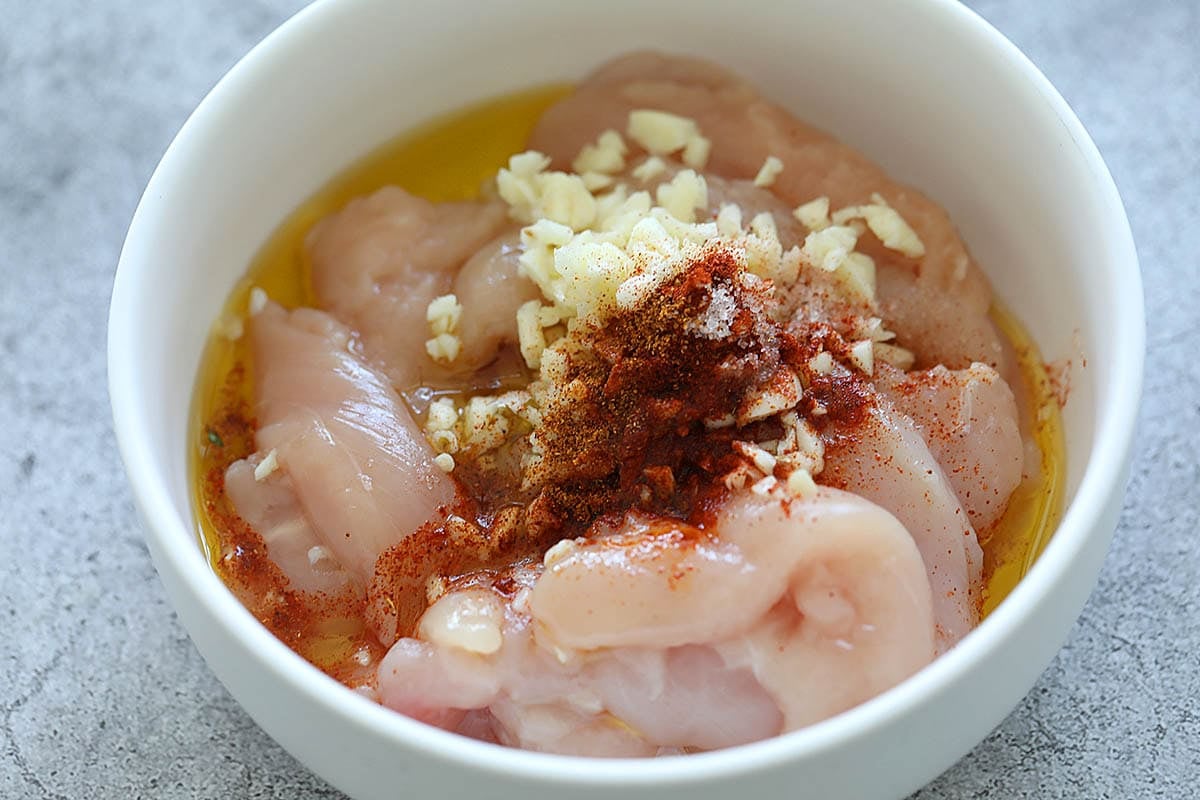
[490,289]
[968,418]
[858,616]
[745,128]
[358,467]
[652,582]
[931,322]
[378,263]
[271,508]
[613,702]
[607,652]
[885,460]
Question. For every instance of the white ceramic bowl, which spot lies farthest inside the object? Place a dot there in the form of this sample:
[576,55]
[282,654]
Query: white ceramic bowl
[923,86]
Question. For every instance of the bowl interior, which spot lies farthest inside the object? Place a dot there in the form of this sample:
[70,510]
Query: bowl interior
[948,106]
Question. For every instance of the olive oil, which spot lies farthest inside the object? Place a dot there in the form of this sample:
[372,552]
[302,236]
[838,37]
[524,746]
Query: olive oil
[1015,542]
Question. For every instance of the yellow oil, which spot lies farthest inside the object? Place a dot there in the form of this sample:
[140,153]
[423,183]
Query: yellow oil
[449,159]
[1015,542]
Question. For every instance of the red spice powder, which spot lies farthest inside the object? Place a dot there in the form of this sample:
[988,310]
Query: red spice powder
[632,433]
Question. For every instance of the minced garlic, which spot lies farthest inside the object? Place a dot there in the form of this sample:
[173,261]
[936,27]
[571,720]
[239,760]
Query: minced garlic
[595,181]
[258,300]
[821,363]
[801,447]
[443,315]
[886,223]
[872,328]
[661,133]
[444,441]
[801,484]
[531,339]
[696,152]
[862,354]
[898,357]
[829,247]
[768,172]
[763,487]
[729,220]
[229,327]
[782,393]
[443,348]
[814,214]
[441,415]
[606,156]
[832,249]
[649,169]
[762,460]
[534,194]
[268,465]
[683,195]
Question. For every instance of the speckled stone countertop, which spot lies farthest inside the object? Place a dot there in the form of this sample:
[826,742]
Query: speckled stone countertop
[101,692]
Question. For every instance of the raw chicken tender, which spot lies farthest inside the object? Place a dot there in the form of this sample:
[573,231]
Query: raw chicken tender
[932,322]
[357,465]
[378,263]
[271,507]
[887,461]
[744,129]
[490,289]
[968,418]
[657,635]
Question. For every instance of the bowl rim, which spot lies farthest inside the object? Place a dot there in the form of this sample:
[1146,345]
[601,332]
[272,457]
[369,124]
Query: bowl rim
[1105,473]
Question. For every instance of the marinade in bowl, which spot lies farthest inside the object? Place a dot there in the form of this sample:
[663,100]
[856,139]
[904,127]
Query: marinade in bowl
[688,433]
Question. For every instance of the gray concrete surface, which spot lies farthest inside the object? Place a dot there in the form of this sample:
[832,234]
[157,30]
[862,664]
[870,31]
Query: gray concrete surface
[101,693]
